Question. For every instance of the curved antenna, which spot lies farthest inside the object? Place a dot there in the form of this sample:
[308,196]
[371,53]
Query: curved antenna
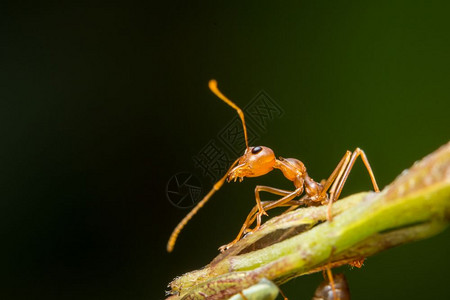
[180,226]
[173,237]
[213,87]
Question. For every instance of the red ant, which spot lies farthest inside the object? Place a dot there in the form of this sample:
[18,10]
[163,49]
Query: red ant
[260,160]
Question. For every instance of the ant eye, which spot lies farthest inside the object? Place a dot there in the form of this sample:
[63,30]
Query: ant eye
[256,150]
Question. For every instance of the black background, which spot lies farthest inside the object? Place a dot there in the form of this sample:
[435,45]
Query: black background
[102,103]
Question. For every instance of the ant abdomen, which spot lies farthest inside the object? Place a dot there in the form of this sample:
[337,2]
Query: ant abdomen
[325,289]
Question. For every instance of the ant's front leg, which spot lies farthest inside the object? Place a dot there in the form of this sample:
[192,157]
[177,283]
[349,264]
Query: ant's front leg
[256,213]
[262,188]
[251,219]
[288,196]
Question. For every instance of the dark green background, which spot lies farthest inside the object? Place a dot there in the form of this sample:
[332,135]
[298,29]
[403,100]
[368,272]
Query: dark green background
[102,103]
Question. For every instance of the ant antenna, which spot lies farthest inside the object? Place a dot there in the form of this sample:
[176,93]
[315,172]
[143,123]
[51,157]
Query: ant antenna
[218,185]
[177,230]
[213,87]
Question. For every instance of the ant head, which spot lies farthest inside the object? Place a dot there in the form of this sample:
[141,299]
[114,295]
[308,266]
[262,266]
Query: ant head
[255,162]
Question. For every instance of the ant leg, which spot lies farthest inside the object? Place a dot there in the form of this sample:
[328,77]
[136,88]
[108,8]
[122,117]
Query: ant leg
[355,154]
[262,188]
[273,204]
[338,185]
[294,206]
[330,275]
[331,281]
[282,294]
[248,221]
[337,173]
[255,213]
[260,207]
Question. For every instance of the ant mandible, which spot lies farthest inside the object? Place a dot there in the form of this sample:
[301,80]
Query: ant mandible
[260,160]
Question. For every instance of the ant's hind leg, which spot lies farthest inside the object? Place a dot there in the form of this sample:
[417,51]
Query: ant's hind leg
[341,178]
[358,152]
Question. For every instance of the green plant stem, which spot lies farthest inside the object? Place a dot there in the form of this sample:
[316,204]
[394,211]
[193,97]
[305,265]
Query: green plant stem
[415,206]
